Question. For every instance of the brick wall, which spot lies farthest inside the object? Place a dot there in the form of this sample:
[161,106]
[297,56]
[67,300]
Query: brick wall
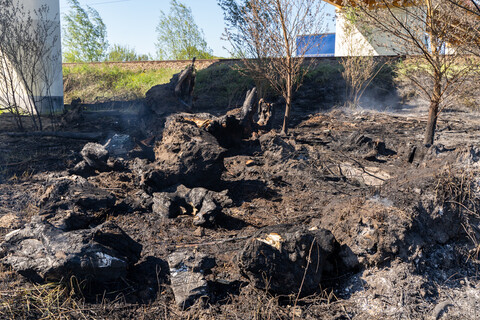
[153,65]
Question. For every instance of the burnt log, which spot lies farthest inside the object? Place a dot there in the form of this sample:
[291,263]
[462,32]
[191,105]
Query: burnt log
[203,204]
[246,116]
[265,115]
[72,203]
[287,259]
[175,96]
[185,85]
[187,155]
[74,115]
[247,113]
[96,156]
[41,252]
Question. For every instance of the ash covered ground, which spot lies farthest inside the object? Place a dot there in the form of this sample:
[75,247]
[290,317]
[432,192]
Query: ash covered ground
[346,217]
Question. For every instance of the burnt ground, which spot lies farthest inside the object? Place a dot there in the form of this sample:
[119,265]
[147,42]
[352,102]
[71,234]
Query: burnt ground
[408,218]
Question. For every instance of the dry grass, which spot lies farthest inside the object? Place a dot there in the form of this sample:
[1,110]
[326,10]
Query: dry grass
[104,82]
[48,301]
[457,189]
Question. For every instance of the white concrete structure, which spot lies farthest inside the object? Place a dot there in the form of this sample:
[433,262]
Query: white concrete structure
[358,40]
[47,94]
[352,40]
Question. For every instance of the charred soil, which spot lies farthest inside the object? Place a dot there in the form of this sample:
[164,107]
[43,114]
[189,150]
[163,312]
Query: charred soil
[394,223]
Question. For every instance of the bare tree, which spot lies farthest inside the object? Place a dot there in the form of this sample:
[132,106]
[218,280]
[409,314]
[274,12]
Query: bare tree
[470,6]
[469,11]
[434,36]
[267,37]
[27,55]
[359,65]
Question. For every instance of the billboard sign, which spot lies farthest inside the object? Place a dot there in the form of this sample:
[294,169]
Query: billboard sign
[319,45]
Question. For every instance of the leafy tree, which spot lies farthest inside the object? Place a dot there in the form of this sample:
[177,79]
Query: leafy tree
[178,35]
[84,37]
[125,53]
[233,11]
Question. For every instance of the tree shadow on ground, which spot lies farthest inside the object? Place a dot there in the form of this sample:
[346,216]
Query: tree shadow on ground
[246,190]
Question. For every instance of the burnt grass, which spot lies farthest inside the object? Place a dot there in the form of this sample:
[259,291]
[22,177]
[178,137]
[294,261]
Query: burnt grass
[406,213]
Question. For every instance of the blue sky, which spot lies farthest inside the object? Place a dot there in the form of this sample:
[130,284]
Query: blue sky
[133,22]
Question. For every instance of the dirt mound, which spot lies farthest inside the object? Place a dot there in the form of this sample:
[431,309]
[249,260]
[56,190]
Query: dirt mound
[373,229]
[187,154]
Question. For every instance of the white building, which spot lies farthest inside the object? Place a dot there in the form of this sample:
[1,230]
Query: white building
[47,91]
[357,40]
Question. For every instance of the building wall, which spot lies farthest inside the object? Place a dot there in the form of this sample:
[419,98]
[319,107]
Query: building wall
[155,65]
[53,66]
[12,91]
[359,40]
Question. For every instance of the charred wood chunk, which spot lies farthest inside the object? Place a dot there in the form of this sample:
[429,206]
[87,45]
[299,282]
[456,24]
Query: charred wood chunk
[248,111]
[187,154]
[265,114]
[74,115]
[185,85]
[203,204]
[96,156]
[286,259]
[187,276]
[72,203]
[175,96]
[41,252]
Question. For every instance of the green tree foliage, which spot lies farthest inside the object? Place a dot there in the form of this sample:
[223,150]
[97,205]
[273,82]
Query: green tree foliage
[233,11]
[84,35]
[178,35]
[125,53]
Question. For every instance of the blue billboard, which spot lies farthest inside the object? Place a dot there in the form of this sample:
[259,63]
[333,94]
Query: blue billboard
[319,45]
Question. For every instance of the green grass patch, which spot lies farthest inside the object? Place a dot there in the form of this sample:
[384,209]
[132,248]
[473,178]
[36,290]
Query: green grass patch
[415,66]
[323,72]
[221,85]
[102,83]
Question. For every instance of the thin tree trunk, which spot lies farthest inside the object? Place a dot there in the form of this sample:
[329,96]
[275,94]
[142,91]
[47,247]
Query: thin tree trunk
[288,88]
[431,124]
[435,99]
[433,110]
[288,106]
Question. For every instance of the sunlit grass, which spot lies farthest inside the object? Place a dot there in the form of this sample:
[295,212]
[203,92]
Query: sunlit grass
[101,83]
